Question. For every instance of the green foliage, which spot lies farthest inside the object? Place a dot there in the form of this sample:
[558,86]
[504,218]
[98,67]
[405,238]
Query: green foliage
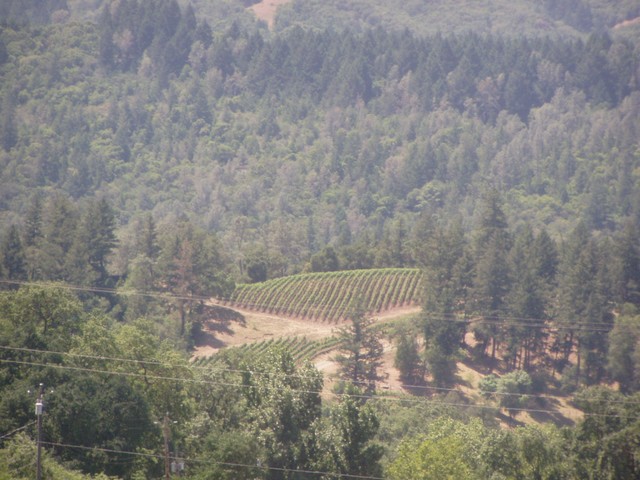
[316,149]
[191,264]
[512,389]
[16,463]
[284,401]
[360,352]
[446,280]
[448,451]
[13,256]
[599,438]
[326,296]
[227,453]
[407,359]
[109,411]
[438,123]
[507,18]
[40,317]
[452,449]
[488,384]
[623,354]
[345,443]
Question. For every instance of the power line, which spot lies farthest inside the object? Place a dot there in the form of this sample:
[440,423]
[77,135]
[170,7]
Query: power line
[506,321]
[7,435]
[114,291]
[235,370]
[214,462]
[309,392]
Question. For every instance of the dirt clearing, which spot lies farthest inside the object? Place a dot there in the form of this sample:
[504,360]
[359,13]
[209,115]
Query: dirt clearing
[266,10]
[232,327]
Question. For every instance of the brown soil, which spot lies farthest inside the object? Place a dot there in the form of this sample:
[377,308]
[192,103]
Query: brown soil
[230,327]
[266,10]
[233,327]
[627,23]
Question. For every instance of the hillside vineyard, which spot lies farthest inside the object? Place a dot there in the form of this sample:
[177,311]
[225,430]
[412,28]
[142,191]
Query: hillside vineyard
[363,239]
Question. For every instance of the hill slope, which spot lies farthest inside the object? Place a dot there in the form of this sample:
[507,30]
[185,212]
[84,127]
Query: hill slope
[332,296]
[502,17]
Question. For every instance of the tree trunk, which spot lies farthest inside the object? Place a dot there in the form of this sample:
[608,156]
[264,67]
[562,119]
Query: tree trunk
[183,316]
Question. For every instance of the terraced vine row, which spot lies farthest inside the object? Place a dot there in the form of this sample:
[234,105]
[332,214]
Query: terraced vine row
[331,296]
[301,349]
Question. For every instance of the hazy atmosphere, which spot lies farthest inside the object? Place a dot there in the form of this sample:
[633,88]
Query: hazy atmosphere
[319,239]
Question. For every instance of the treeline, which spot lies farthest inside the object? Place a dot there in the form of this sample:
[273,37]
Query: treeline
[115,392]
[62,242]
[289,143]
[542,306]
[119,401]
[307,150]
[472,73]
[516,18]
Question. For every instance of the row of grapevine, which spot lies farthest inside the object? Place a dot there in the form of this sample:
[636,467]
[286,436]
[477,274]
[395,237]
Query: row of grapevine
[331,296]
[301,349]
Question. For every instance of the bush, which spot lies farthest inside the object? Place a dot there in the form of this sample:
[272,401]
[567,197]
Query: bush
[488,385]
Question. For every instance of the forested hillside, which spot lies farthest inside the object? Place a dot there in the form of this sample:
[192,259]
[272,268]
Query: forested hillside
[516,18]
[282,144]
[157,153]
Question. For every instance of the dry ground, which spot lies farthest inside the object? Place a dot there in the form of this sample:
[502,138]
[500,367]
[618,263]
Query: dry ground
[266,10]
[234,327]
[245,326]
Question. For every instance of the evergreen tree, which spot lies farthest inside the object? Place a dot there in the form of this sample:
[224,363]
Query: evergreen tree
[627,265]
[8,125]
[13,255]
[361,351]
[191,266]
[584,316]
[61,219]
[445,266]
[33,222]
[623,357]
[407,359]
[146,240]
[99,227]
[491,278]
[527,303]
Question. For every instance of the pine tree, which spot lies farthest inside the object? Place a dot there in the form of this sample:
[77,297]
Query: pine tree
[583,314]
[147,239]
[13,256]
[360,352]
[8,128]
[445,267]
[526,301]
[407,359]
[99,228]
[33,222]
[627,265]
[491,275]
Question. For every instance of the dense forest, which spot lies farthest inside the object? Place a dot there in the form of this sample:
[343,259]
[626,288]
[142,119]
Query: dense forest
[155,154]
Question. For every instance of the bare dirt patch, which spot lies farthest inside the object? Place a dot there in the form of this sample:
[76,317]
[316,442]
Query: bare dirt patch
[627,23]
[255,327]
[266,10]
[229,327]
[234,327]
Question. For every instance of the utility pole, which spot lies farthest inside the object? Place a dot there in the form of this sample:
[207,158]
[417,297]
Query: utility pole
[165,434]
[39,412]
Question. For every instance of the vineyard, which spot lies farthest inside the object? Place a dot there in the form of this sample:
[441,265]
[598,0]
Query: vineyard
[300,348]
[331,296]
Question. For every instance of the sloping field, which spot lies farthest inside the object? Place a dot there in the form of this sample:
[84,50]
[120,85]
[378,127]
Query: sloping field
[331,296]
